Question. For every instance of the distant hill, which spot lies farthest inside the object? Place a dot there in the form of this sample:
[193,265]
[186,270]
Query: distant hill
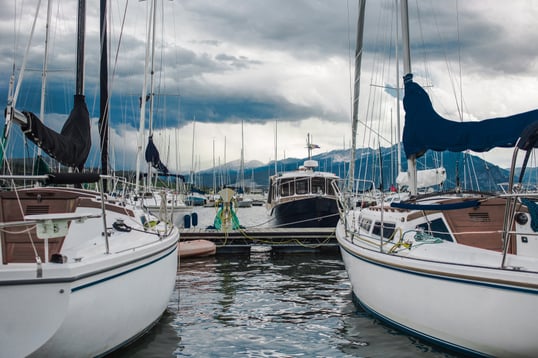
[236,165]
[472,172]
[379,166]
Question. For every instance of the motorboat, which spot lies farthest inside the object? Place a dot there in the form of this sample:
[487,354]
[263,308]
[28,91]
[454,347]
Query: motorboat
[304,197]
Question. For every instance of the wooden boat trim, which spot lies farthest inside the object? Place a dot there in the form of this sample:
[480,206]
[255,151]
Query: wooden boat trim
[18,246]
[90,203]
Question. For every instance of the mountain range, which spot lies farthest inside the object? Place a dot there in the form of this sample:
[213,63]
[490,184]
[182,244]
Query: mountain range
[379,166]
[467,171]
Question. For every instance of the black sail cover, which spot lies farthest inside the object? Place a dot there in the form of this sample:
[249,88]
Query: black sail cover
[425,129]
[72,145]
[153,157]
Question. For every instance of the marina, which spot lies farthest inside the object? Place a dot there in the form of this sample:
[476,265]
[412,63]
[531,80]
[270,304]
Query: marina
[256,230]
[412,232]
[280,239]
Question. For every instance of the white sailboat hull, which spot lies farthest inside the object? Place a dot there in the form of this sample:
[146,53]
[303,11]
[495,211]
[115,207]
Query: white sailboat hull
[467,308]
[23,310]
[116,301]
[90,297]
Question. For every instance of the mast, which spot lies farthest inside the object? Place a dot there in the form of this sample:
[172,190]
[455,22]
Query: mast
[103,117]
[356,90]
[141,128]
[45,68]
[309,146]
[276,153]
[398,130]
[226,179]
[405,37]
[214,172]
[242,163]
[81,33]
[192,155]
[38,162]
[411,161]
[151,78]
[176,141]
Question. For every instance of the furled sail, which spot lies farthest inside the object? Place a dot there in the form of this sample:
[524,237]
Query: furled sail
[152,157]
[425,178]
[425,129]
[72,145]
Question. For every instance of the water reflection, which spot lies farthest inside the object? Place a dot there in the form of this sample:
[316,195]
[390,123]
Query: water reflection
[161,341]
[294,305]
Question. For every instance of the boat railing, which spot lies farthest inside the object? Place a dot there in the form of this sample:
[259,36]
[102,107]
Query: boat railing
[527,142]
[528,188]
[343,199]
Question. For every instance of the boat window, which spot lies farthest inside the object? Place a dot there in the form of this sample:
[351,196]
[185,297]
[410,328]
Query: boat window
[301,186]
[330,189]
[366,224]
[286,188]
[318,186]
[436,228]
[388,229]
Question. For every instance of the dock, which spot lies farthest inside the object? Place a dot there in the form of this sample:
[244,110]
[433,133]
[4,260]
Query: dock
[279,239]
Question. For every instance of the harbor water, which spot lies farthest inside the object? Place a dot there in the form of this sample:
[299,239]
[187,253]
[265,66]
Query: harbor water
[269,305]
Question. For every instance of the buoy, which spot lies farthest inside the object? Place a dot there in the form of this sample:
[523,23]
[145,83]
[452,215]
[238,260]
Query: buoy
[194,219]
[187,221]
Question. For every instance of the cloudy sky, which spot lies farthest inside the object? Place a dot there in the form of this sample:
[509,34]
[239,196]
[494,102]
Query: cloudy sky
[276,66]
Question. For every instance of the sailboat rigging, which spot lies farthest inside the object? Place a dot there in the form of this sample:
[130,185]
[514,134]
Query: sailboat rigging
[152,155]
[86,260]
[168,203]
[72,144]
[455,249]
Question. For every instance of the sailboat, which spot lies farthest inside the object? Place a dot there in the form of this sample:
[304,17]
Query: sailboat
[459,269]
[243,200]
[166,203]
[195,196]
[82,273]
[304,197]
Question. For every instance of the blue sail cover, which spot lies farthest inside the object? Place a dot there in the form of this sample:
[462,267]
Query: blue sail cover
[425,129]
[152,157]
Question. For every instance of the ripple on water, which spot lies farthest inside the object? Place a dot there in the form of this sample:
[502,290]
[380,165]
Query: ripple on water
[283,306]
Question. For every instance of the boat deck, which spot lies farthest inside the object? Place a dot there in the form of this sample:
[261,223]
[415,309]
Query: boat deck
[280,239]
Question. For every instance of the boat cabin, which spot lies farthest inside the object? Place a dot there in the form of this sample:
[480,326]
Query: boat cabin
[301,184]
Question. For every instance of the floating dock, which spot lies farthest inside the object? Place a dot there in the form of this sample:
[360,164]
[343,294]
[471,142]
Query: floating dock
[279,239]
